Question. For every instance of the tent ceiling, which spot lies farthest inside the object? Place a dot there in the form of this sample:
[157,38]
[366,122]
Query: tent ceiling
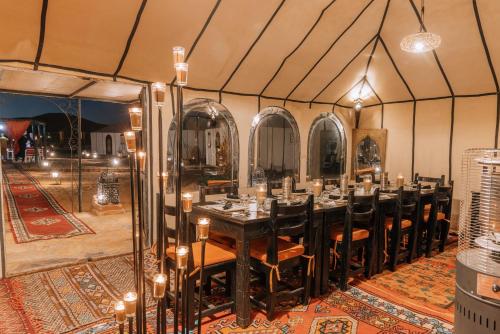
[312,50]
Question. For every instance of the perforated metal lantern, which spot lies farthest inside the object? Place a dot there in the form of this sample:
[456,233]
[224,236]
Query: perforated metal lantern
[108,189]
[478,257]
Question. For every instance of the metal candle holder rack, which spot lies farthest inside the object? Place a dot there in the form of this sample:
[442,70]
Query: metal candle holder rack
[134,302]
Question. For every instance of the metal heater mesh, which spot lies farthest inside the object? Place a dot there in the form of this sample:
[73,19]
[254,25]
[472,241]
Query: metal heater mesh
[479,229]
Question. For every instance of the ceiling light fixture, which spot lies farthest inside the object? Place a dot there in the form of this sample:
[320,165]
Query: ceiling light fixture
[422,41]
[358,104]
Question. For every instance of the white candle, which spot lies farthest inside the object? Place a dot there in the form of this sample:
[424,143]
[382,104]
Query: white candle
[120,312]
[203,228]
[400,180]
[182,256]
[130,300]
[159,285]
[317,187]
[261,194]
[187,202]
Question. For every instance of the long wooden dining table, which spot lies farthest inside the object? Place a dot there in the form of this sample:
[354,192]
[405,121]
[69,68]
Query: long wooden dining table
[246,227]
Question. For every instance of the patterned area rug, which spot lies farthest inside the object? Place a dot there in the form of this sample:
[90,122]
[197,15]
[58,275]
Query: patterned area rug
[33,213]
[427,285]
[63,300]
[79,299]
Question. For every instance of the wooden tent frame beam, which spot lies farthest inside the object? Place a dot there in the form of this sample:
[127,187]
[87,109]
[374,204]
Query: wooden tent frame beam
[130,38]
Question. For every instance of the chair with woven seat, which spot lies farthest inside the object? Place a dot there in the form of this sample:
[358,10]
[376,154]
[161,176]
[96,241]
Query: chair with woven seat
[356,235]
[219,259]
[435,221]
[273,254]
[401,226]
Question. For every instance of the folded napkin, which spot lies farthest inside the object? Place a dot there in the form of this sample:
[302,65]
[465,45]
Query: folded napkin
[220,207]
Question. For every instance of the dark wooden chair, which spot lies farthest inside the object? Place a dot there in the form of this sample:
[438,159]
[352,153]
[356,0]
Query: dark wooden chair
[402,227]
[219,259]
[229,190]
[357,235]
[273,254]
[435,220]
[429,179]
[329,182]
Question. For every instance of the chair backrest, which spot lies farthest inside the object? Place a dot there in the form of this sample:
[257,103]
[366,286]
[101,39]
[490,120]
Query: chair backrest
[329,182]
[290,220]
[429,179]
[362,211]
[294,187]
[217,190]
[407,205]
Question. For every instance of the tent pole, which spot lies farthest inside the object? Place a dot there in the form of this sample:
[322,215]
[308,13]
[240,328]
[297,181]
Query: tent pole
[79,117]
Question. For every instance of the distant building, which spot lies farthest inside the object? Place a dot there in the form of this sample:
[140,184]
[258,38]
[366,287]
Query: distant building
[109,140]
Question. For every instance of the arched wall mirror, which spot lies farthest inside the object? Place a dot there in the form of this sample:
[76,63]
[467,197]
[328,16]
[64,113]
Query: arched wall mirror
[210,147]
[327,148]
[369,149]
[274,145]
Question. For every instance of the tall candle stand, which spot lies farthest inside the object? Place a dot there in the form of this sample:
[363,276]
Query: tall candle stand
[203,228]
[161,243]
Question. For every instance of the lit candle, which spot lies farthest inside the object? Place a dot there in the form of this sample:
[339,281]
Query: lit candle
[135,114]
[261,194]
[159,93]
[181,70]
[178,53]
[45,164]
[120,312]
[317,187]
[130,141]
[181,253]
[142,159]
[367,184]
[400,180]
[203,228]
[159,285]
[55,175]
[165,179]
[130,300]
[187,202]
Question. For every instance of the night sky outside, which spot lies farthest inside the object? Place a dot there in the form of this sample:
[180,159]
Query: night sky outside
[26,106]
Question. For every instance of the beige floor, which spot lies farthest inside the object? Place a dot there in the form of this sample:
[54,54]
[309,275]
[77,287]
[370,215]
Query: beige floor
[113,232]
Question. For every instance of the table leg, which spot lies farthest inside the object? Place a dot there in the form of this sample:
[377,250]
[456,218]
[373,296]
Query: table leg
[242,283]
[318,254]
[325,257]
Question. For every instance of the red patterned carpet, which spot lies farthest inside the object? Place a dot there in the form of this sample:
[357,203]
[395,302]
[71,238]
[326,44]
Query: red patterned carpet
[78,299]
[33,213]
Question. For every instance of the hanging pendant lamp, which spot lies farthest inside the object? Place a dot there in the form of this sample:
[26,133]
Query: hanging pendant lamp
[422,41]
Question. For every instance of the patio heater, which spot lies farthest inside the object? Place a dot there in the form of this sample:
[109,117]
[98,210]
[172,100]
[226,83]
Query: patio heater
[477,307]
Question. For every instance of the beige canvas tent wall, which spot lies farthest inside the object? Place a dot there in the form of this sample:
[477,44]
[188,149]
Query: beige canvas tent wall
[308,56]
